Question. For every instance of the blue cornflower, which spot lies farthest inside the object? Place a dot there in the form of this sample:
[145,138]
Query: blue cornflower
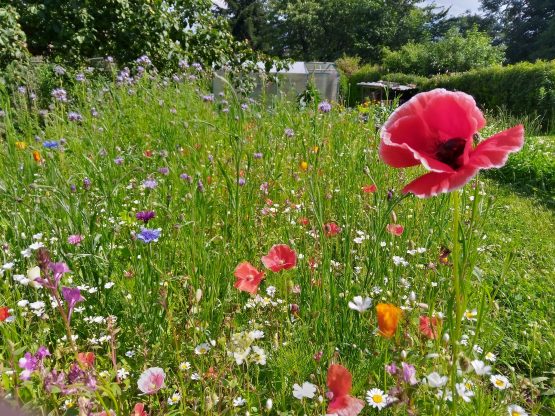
[51,144]
[148,235]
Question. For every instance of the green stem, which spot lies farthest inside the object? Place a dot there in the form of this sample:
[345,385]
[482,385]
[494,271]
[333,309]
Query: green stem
[458,300]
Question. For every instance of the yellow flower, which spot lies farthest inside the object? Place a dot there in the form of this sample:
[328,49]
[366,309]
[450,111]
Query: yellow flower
[20,145]
[303,166]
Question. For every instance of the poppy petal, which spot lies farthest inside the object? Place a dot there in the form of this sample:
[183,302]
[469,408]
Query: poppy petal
[396,155]
[494,151]
[435,183]
[347,406]
[340,380]
[451,114]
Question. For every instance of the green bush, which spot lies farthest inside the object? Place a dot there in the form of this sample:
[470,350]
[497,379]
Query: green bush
[12,39]
[524,89]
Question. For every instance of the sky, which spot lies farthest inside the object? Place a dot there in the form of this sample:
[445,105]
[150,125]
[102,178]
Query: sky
[457,6]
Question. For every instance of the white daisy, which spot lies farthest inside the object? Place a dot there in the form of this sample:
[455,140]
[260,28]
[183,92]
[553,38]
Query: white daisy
[259,355]
[360,304]
[471,315]
[306,390]
[376,398]
[239,401]
[174,399]
[185,365]
[202,348]
[500,382]
[490,356]
[515,410]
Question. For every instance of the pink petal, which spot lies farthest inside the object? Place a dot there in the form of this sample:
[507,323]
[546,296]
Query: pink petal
[451,114]
[494,151]
[397,156]
[351,406]
[435,183]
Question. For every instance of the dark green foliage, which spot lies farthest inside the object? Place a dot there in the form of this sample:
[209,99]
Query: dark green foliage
[526,27]
[248,21]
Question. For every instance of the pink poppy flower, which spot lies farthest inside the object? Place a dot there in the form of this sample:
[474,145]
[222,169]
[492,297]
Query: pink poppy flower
[151,380]
[436,129]
[248,278]
[369,189]
[280,257]
[340,383]
[395,229]
[331,229]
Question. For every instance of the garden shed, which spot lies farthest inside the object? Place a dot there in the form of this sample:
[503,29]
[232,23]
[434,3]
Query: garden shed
[293,80]
[386,91]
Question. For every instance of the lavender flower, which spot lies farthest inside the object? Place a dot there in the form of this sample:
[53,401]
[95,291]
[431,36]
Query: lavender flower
[118,160]
[186,177]
[59,94]
[257,155]
[59,70]
[324,107]
[289,132]
[200,186]
[86,183]
[409,374]
[150,183]
[164,171]
[80,77]
[148,235]
[74,116]
[241,181]
[51,144]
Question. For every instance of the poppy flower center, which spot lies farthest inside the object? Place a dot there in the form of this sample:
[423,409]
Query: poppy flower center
[449,152]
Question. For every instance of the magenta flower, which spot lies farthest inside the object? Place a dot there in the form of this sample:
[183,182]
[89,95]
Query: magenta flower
[58,270]
[145,216]
[151,380]
[72,296]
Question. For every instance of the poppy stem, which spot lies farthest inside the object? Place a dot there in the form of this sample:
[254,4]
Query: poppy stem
[458,299]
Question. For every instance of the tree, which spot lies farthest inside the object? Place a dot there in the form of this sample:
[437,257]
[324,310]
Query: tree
[248,21]
[454,52]
[526,27]
[328,29]
[13,46]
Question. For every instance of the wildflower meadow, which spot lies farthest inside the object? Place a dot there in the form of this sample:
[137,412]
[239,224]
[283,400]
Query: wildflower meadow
[167,251]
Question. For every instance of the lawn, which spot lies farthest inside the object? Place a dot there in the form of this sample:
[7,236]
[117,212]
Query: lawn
[152,192]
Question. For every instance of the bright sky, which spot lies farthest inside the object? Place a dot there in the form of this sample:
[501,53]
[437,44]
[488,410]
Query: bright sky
[457,6]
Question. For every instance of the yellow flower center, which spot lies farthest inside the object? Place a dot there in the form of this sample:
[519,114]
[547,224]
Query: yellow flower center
[377,398]
[500,383]
[515,414]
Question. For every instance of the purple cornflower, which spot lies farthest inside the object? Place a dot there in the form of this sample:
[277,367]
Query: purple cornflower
[72,295]
[118,160]
[324,107]
[257,155]
[244,106]
[59,94]
[145,216]
[86,183]
[72,188]
[164,171]
[241,181]
[186,177]
[51,144]
[148,235]
[150,183]
[200,186]
[409,374]
[59,70]
[144,60]
[22,89]
[80,77]
[74,116]
[208,98]
[289,132]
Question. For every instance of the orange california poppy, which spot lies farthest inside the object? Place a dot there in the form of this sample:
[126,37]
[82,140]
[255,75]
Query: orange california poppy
[36,156]
[388,318]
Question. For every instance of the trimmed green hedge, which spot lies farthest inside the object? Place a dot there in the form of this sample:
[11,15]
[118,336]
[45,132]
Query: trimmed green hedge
[524,89]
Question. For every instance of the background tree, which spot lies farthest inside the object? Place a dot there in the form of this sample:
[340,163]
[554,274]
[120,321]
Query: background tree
[12,39]
[527,27]
[248,21]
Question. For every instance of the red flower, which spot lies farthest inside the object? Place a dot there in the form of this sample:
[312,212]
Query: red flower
[395,229]
[340,383]
[304,221]
[86,359]
[248,278]
[139,410]
[369,189]
[280,257]
[436,129]
[430,327]
[4,313]
[331,229]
